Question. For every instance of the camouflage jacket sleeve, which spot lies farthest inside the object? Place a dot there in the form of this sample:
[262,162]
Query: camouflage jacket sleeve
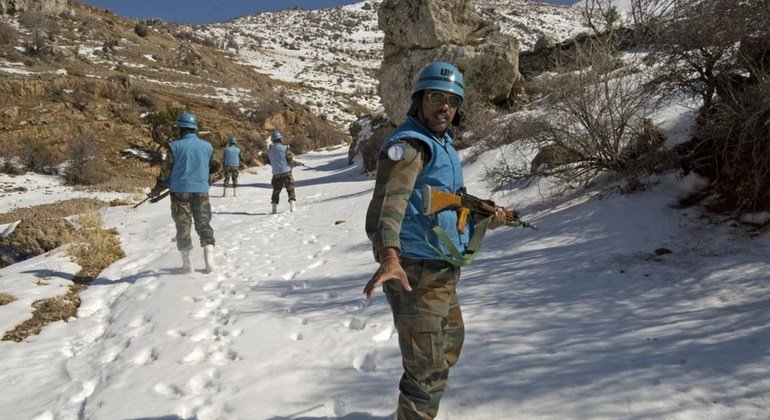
[289,157]
[165,169]
[392,189]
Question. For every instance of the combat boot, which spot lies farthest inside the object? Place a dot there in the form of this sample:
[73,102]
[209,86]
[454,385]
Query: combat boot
[208,256]
[275,208]
[186,263]
[292,205]
[224,191]
[235,191]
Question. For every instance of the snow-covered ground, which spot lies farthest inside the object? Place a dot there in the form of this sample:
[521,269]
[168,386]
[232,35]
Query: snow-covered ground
[581,319]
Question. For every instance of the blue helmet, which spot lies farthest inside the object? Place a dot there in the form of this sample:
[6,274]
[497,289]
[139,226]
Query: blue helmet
[233,140]
[276,136]
[186,120]
[440,76]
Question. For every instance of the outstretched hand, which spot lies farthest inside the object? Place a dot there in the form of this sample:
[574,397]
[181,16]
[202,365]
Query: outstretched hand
[390,269]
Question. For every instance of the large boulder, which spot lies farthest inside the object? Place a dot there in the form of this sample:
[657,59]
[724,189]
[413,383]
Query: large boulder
[418,32]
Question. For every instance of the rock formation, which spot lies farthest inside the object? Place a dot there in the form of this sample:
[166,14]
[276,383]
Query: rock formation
[51,7]
[418,32]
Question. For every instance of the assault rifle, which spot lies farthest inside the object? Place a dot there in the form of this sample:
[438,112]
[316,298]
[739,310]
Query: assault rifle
[434,200]
[152,199]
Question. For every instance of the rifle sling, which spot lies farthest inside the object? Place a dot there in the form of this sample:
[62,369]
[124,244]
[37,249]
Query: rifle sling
[455,257]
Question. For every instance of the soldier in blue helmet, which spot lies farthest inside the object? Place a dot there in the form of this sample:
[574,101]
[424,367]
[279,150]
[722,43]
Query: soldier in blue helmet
[420,286]
[185,172]
[233,162]
[281,161]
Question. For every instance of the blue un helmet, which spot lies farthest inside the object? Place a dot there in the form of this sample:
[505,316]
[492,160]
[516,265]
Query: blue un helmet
[276,136]
[186,120]
[233,140]
[440,76]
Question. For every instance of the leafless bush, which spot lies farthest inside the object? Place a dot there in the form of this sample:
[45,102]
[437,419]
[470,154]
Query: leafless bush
[9,164]
[476,123]
[733,149]
[699,40]
[141,29]
[39,155]
[8,34]
[86,165]
[595,120]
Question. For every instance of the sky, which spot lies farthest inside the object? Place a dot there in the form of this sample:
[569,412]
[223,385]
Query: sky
[207,11]
[581,319]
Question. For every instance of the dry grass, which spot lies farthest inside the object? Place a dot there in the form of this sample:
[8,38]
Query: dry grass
[60,308]
[6,298]
[94,248]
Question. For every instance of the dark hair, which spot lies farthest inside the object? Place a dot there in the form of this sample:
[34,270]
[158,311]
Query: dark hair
[185,130]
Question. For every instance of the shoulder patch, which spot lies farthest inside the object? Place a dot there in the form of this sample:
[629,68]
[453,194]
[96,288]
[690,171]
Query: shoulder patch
[397,151]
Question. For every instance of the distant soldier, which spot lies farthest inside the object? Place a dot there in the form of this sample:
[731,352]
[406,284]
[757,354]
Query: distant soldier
[232,165]
[185,172]
[419,284]
[281,160]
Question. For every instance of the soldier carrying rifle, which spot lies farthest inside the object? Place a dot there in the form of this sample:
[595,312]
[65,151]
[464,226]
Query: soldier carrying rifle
[187,173]
[418,271]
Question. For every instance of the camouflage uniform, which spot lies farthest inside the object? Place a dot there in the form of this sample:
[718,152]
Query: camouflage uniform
[231,172]
[189,207]
[428,319]
[282,181]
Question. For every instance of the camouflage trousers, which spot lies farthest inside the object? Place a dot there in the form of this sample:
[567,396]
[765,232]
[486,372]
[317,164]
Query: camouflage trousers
[279,182]
[430,334]
[231,172]
[189,207]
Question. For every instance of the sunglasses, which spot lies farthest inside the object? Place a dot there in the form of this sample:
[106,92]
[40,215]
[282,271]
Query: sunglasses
[437,98]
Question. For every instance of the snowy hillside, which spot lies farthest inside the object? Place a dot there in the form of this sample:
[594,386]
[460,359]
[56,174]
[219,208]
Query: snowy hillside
[329,58]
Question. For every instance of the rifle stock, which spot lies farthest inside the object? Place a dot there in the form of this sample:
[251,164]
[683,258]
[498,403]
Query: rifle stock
[434,200]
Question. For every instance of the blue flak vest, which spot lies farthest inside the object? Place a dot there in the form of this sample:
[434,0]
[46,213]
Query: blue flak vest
[231,156]
[277,156]
[191,164]
[442,171]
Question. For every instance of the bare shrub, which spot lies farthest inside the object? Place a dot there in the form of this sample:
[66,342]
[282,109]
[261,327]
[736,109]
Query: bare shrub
[86,165]
[733,149]
[9,164]
[141,29]
[8,34]
[264,110]
[39,155]
[593,121]
[699,40]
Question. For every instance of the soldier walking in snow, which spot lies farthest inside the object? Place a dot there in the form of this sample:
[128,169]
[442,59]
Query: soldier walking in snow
[281,160]
[420,285]
[185,172]
[233,161]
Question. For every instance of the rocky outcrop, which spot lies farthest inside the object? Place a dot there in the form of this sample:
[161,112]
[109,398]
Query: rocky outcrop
[418,32]
[51,7]
[368,133]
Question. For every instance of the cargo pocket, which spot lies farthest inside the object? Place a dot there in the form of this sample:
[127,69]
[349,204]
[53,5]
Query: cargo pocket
[419,339]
